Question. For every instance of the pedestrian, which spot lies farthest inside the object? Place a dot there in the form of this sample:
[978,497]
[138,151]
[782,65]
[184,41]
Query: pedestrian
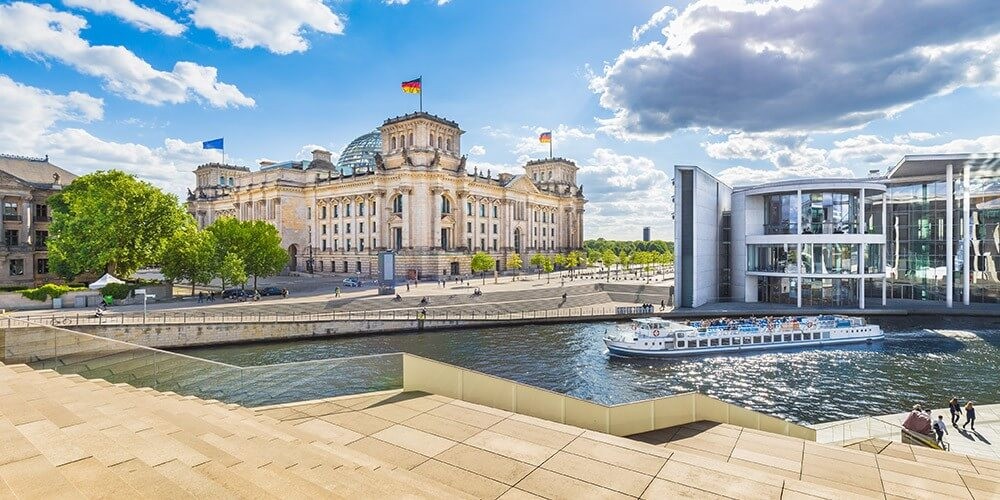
[337,291]
[201,297]
[956,411]
[940,429]
[407,286]
[211,296]
[284,293]
[970,416]
[663,305]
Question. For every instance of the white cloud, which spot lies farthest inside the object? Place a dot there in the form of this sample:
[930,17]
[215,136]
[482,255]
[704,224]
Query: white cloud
[561,135]
[655,20]
[477,150]
[794,157]
[42,32]
[144,18]
[797,65]
[276,26]
[30,125]
[625,193]
[405,2]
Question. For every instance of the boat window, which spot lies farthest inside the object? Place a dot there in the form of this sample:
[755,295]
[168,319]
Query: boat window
[702,343]
[682,344]
[826,335]
[725,341]
[788,338]
[758,339]
[767,338]
[715,342]
[798,336]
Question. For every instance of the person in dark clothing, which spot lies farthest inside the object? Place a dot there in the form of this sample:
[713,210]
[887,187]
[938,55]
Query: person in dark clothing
[956,411]
[970,416]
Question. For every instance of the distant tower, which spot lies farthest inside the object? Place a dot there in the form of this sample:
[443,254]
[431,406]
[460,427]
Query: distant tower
[645,234]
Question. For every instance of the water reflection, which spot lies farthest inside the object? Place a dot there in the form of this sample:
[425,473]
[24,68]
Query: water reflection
[918,362]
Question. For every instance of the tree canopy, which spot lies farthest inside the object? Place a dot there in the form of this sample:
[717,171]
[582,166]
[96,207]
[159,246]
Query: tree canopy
[255,242]
[110,221]
[191,255]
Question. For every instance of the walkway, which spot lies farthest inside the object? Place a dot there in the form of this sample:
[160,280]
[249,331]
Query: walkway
[984,442]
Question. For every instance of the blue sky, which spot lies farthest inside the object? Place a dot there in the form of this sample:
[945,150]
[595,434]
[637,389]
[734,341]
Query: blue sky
[751,91]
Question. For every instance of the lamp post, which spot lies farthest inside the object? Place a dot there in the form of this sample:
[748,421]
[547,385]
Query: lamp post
[309,261]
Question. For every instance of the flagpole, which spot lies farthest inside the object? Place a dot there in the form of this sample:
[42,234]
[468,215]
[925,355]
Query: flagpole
[421,78]
[550,147]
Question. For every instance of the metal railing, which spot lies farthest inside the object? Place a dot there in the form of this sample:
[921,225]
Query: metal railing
[887,428]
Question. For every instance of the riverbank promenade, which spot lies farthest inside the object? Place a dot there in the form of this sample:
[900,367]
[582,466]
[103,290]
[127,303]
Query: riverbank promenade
[883,432]
[70,437]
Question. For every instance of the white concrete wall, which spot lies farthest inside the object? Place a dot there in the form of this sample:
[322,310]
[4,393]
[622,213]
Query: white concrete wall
[711,199]
[739,248]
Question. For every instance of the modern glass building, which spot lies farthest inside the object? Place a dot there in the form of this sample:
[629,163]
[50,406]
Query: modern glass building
[927,230]
[360,153]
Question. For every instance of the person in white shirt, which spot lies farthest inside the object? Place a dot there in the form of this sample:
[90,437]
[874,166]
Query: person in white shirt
[940,428]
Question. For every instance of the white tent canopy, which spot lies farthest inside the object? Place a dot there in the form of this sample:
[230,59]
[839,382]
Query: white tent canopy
[105,280]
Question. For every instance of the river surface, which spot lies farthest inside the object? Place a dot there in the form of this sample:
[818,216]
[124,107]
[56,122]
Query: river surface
[922,360]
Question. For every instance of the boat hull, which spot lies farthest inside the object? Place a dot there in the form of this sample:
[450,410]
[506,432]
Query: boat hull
[622,350]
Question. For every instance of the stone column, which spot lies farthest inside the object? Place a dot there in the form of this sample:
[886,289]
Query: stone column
[967,235]
[29,235]
[382,209]
[949,221]
[407,218]
[435,239]
[460,233]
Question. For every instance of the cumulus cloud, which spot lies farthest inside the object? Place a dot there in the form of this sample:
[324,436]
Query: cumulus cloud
[477,150]
[43,32]
[561,135]
[797,65]
[625,193]
[31,125]
[793,156]
[144,18]
[276,26]
[655,20]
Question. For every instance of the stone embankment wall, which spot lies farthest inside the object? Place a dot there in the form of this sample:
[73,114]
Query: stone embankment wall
[14,301]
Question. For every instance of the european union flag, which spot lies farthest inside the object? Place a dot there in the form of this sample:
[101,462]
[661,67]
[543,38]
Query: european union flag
[213,144]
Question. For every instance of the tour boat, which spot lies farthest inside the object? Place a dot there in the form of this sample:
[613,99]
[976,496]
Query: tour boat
[655,337]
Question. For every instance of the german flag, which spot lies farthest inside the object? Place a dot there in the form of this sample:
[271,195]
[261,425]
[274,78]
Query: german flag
[545,138]
[411,87]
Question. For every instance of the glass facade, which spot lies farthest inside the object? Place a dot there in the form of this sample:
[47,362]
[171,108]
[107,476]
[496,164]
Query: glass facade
[360,153]
[781,214]
[830,213]
[833,292]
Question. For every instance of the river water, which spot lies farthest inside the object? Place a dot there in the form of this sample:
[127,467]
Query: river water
[922,360]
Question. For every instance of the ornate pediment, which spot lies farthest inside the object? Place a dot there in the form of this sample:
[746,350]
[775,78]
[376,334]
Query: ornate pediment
[448,219]
[522,184]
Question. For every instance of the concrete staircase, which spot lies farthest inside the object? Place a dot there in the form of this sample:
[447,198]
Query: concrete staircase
[67,436]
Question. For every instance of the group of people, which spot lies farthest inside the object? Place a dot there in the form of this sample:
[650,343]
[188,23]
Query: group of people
[920,420]
[202,297]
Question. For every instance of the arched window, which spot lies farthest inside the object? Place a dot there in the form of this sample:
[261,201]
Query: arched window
[230,182]
[409,141]
[397,204]
[392,143]
[222,181]
[440,142]
[431,142]
[445,205]
[550,175]
[449,144]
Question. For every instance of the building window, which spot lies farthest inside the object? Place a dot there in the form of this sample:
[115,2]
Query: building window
[10,237]
[42,266]
[336,245]
[323,230]
[320,266]
[469,243]
[545,231]
[361,209]
[347,229]
[409,140]
[494,244]
[41,212]
[392,143]
[336,211]
[361,244]
[431,141]
[361,227]
[445,205]
[468,208]
[17,267]
[495,211]
[324,244]
[309,212]
[336,229]
[10,211]
[323,212]
[536,216]
[494,229]
[41,238]
[440,143]
[449,144]
[397,204]
[468,226]
[222,181]
[482,228]
[347,210]
[482,210]
[397,236]
[482,243]
[348,242]
[230,182]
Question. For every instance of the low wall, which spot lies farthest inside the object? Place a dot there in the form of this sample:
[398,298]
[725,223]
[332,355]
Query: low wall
[14,301]
[421,374]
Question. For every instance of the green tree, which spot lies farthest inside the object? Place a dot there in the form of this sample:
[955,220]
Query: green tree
[559,260]
[482,262]
[548,266]
[608,258]
[232,270]
[190,255]
[538,260]
[625,259]
[109,221]
[573,260]
[514,262]
[257,243]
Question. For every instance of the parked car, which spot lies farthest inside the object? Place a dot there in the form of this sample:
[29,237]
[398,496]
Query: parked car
[271,290]
[352,282]
[235,293]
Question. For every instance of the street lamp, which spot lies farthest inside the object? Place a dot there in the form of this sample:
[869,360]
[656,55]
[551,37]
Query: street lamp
[309,261]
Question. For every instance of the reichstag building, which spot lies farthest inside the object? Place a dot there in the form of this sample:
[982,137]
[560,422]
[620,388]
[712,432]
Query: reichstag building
[406,187]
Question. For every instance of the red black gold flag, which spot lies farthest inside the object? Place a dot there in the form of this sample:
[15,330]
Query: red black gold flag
[545,138]
[411,87]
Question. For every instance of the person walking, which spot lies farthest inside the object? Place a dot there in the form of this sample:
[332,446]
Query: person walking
[956,411]
[407,286]
[970,416]
[940,429]
[336,292]
[201,297]
[663,305]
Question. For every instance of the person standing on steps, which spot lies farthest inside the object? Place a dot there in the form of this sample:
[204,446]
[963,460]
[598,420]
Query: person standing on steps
[970,416]
[940,429]
[956,411]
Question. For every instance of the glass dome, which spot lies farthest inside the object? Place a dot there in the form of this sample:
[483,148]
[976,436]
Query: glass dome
[360,153]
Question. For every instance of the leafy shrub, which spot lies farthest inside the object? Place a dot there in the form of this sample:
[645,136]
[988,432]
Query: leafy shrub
[48,290]
[118,290]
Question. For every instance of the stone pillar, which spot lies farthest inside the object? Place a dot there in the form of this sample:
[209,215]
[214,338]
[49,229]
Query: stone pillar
[29,235]
[382,210]
[949,221]
[460,217]
[407,218]
[435,239]
[967,235]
